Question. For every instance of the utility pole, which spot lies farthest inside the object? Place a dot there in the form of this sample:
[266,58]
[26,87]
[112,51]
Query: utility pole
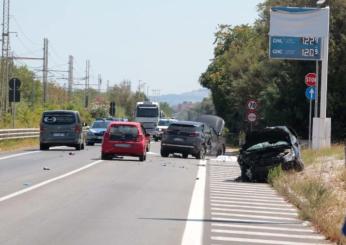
[86,89]
[5,55]
[70,78]
[45,70]
[107,86]
[99,83]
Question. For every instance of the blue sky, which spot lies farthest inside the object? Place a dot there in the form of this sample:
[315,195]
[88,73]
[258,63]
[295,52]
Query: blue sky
[166,44]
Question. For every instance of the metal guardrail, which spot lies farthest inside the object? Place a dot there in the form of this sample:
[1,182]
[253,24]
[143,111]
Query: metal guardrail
[19,133]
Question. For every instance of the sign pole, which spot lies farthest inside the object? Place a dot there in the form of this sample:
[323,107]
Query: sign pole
[317,86]
[14,104]
[310,112]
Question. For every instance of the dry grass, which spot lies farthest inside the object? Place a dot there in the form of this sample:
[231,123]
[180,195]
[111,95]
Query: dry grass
[14,145]
[320,191]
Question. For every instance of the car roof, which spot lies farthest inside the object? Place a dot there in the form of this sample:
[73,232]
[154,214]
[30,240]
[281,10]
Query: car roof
[197,124]
[60,111]
[125,123]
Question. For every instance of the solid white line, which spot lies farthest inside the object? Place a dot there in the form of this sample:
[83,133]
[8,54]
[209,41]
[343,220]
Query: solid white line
[18,155]
[254,233]
[193,233]
[252,207]
[252,216]
[260,227]
[260,204]
[259,241]
[152,153]
[15,194]
[249,198]
[253,211]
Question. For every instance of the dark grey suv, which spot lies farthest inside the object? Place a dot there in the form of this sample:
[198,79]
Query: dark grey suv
[61,128]
[186,138]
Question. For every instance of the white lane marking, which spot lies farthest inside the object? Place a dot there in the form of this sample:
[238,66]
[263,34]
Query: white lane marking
[258,241]
[252,211]
[247,198]
[252,207]
[254,221]
[18,155]
[252,216]
[152,153]
[260,204]
[245,192]
[193,233]
[254,233]
[244,188]
[241,193]
[260,227]
[46,182]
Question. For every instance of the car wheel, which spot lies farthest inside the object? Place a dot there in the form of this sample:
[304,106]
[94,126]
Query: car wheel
[185,155]
[105,156]
[143,157]
[164,153]
[78,147]
[44,147]
[243,175]
[201,153]
[298,166]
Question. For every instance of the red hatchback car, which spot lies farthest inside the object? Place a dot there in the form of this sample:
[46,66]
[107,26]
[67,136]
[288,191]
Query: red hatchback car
[125,139]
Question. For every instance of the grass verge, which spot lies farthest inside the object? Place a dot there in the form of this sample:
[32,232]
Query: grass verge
[17,144]
[319,192]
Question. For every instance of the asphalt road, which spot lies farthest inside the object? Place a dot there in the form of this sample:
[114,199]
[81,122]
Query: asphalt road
[63,196]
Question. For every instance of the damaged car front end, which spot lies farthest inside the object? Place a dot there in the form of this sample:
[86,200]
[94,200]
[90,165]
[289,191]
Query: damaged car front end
[266,149]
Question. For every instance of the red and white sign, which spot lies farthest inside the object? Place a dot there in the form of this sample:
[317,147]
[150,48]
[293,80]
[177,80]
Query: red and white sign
[251,116]
[252,105]
[310,79]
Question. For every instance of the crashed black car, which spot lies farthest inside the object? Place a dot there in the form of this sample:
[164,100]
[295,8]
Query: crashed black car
[268,148]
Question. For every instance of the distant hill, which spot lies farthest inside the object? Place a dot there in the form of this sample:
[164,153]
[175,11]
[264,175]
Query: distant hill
[192,96]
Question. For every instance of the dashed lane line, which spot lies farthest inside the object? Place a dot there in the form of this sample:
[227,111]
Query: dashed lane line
[46,182]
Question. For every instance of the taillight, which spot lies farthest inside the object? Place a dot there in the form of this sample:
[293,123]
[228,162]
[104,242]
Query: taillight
[41,127]
[194,134]
[78,129]
[139,138]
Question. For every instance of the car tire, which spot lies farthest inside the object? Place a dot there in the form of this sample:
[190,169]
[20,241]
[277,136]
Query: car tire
[298,166]
[185,155]
[143,157]
[164,153]
[156,139]
[243,175]
[105,156]
[44,147]
[201,153]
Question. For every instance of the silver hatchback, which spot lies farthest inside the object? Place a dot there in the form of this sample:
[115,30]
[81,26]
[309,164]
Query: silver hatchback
[61,128]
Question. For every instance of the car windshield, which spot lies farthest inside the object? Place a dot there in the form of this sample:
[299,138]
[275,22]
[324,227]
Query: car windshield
[147,112]
[164,123]
[58,118]
[123,132]
[100,124]
[267,144]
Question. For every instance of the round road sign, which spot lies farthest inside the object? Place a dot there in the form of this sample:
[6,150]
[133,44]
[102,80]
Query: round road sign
[310,79]
[252,105]
[251,117]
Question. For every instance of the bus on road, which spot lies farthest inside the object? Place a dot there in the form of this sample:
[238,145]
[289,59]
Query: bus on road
[148,114]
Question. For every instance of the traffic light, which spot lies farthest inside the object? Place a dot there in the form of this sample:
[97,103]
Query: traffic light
[112,109]
[14,93]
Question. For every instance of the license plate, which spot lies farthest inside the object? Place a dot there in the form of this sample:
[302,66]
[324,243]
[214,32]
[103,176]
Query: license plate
[122,145]
[59,134]
[178,139]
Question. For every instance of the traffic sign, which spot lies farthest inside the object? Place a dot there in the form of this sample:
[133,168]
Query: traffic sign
[310,93]
[14,83]
[252,105]
[251,116]
[310,79]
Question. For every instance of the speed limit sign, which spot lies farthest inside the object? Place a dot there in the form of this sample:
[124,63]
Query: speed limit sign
[252,105]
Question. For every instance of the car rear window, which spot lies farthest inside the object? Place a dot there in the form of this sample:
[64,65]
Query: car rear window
[100,124]
[58,118]
[183,128]
[123,132]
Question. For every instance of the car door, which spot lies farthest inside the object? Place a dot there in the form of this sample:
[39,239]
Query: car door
[208,139]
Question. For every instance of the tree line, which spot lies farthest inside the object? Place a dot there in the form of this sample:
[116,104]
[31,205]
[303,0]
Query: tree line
[241,69]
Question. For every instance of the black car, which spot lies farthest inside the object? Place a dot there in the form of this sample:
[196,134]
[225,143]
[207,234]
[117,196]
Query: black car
[268,148]
[217,124]
[186,138]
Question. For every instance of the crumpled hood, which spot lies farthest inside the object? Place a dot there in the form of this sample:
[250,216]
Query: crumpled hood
[215,122]
[272,135]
